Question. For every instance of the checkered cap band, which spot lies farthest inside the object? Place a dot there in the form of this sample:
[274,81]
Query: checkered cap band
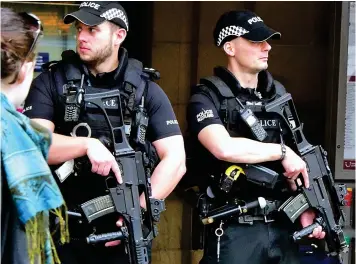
[231,31]
[115,13]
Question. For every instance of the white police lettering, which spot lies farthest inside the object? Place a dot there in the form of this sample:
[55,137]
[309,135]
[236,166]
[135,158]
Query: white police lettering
[254,20]
[268,123]
[27,108]
[172,122]
[90,4]
[204,115]
[110,103]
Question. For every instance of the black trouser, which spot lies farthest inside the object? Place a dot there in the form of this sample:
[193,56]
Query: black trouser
[260,243]
[75,253]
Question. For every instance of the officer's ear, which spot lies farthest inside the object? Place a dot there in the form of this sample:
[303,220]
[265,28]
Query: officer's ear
[229,48]
[119,35]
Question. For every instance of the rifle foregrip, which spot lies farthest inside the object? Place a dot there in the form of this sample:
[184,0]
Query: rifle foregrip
[305,231]
[94,239]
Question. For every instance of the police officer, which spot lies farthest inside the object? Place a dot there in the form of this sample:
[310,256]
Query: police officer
[223,138]
[103,66]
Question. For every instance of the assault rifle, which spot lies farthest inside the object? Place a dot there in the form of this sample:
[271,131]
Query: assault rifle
[324,196]
[139,227]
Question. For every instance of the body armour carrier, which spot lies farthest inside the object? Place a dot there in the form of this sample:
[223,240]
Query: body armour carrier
[89,121]
[228,108]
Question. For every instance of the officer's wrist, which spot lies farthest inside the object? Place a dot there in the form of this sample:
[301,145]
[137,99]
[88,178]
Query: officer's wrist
[88,142]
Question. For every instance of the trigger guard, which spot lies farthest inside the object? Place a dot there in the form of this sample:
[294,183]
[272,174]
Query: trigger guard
[110,177]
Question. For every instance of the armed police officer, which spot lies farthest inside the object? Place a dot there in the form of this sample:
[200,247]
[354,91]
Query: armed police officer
[240,149]
[100,65]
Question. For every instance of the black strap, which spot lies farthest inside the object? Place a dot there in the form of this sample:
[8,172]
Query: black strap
[224,94]
[130,90]
[217,84]
[223,111]
[127,113]
[280,90]
[136,95]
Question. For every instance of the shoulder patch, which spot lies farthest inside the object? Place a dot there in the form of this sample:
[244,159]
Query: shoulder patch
[204,114]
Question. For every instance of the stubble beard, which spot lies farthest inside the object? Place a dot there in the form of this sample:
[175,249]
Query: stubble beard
[99,56]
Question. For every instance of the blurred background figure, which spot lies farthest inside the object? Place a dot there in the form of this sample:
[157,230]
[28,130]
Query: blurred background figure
[28,189]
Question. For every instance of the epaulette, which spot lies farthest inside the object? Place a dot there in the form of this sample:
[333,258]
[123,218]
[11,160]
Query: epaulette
[48,65]
[153,74]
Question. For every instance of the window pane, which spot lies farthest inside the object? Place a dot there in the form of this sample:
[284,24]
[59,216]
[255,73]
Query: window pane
[57,35]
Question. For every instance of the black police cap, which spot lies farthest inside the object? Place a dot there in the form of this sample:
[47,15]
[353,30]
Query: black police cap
[95,13]
[244,24]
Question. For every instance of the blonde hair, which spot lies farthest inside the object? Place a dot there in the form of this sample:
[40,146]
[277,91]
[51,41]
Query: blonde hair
[16,41]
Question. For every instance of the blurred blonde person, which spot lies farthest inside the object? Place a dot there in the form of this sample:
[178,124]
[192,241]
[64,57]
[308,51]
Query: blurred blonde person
[28,191]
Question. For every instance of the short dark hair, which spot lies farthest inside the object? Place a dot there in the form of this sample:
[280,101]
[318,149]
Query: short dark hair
[114,27]
[16,41]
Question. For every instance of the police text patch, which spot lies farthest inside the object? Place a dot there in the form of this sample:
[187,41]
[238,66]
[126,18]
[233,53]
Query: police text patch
[204,115]
[269,123]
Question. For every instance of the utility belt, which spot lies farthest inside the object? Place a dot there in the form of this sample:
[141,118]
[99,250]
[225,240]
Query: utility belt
[232,198]
[268,214]
[242,212]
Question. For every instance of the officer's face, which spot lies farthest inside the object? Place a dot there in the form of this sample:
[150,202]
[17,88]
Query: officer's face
[94,44]
[252,56]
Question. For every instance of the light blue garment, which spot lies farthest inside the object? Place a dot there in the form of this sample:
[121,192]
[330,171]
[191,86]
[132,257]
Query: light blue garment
[24,150]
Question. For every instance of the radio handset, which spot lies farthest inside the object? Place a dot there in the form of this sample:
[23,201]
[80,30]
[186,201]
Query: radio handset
[252,122]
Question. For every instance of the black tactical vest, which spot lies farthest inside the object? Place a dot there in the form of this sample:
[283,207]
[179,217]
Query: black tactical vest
[228,108]
[81,187]
[132,89]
